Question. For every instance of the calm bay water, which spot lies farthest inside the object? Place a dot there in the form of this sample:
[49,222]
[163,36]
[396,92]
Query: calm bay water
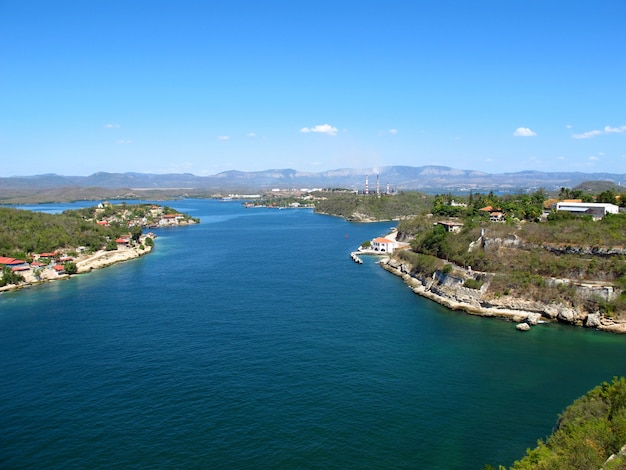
[252,341]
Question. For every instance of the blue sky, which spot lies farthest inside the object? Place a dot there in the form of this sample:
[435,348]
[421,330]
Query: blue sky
[207,86]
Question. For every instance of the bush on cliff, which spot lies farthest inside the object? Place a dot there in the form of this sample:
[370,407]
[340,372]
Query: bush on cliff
[422,264]
[587,433]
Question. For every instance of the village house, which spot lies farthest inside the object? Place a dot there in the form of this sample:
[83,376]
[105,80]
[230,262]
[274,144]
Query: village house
[16,265]
[495,215]
[453,227]
[59,268]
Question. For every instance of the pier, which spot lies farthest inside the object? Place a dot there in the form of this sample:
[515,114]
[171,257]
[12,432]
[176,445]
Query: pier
[355,258]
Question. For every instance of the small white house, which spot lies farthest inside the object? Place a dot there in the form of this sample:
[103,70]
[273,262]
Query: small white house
[595,209]
[384,245]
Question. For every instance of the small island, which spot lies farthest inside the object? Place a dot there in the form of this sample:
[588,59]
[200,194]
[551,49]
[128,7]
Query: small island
[36,247]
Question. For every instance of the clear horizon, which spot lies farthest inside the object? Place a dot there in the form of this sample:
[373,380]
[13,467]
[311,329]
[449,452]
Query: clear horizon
[202,88]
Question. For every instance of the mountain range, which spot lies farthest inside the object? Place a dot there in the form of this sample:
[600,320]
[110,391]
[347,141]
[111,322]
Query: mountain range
[430,179]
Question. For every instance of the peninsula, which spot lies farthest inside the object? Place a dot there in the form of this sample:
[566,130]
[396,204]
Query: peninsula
[529,258]
[36,247]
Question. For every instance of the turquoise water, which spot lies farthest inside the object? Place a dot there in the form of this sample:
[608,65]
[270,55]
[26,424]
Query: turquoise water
[253,341]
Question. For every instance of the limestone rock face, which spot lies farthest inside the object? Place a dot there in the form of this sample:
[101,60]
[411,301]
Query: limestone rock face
[551,311]
[450,292]
[593,320]
[566,315]
[533,318]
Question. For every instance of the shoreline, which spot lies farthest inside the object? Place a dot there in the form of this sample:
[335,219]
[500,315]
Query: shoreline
[528,312]
[84,264]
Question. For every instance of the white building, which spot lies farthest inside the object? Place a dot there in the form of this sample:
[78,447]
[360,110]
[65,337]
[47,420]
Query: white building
[384,245]
[595,209]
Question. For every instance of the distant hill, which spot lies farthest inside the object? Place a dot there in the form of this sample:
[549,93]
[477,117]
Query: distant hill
[430,178]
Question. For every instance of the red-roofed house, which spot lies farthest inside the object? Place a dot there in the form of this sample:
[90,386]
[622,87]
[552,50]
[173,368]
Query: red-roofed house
[12,262]
[59,268]
[384,245]
[496,216]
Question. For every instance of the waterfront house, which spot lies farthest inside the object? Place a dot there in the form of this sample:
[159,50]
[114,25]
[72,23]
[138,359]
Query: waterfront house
[168,219]
[59,268]
[123,241]
[383,245]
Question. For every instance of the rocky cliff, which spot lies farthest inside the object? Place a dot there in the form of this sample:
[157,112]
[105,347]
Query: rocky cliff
[448,290]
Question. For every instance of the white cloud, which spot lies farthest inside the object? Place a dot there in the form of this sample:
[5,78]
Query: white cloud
[111,126]
[123,142]
[322,129]
[587,135]
[524,132]
[594,158]
[393,131]
[251,134]
[596,132]
[223,137]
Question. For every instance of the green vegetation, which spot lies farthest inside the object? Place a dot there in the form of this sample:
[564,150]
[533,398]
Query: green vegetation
[524,251]
[9,277]
[424,265]
[587,433]
[472,283]
[354,206]
[23,232]
[70,267]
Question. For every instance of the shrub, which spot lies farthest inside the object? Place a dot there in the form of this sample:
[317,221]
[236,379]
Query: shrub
[422,264]
[70,267]
[472,283]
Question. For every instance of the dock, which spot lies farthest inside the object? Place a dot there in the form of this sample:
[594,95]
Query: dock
[355,258]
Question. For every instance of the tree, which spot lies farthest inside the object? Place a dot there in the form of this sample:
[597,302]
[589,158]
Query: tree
[433,243]
[70,267]
[607,196]
[10,277]
[136,232]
